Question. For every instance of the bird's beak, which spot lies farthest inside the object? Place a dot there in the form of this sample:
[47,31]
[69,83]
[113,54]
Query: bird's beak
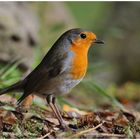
[98,41]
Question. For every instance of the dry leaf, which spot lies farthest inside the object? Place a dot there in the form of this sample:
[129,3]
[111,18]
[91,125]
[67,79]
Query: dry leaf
[10,118]
[67,108]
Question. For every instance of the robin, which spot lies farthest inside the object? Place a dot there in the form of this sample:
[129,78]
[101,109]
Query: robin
[62,68]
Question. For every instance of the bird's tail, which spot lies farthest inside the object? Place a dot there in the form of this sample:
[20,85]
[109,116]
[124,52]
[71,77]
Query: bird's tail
[15,87]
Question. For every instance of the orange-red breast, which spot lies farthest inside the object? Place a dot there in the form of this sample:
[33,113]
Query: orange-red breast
[63,67]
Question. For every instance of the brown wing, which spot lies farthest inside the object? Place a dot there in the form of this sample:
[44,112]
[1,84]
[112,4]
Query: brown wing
[46,70]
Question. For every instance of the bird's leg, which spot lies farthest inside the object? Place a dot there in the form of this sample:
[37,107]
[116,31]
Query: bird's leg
[51,102]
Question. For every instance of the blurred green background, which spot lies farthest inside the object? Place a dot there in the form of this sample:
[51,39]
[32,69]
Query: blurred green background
[29,29]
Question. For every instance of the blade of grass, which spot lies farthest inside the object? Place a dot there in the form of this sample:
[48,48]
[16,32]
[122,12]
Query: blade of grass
[10,81]
[10,70]
[7,66]
[97,88]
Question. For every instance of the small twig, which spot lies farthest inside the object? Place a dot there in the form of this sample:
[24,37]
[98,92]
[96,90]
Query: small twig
[108,135]
[86,131]
[46,135]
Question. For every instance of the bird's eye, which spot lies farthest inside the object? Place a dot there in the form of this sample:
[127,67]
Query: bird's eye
[83,36]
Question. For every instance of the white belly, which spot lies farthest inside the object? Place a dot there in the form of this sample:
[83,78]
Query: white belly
[68,85]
